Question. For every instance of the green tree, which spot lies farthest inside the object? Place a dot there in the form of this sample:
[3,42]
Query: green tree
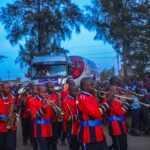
[106,74]
[122,23]
[39,26]
[139,54]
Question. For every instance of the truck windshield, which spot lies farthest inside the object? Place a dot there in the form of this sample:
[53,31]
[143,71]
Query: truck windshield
[48,70]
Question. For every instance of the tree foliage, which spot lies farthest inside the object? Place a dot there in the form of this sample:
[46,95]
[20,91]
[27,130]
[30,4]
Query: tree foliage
[2,57]
[39,26]
[106,74]
[125,25]
[139,54]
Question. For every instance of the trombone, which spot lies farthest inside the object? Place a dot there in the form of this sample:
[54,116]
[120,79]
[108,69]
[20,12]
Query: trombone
[122,97]
[132,93]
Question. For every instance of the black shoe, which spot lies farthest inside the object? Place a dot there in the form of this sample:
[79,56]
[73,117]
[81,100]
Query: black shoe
[24,143]
[35,147]
[63,142]
[110,147]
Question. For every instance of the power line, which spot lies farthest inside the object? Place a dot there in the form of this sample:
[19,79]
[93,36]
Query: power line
[103,57]
[85,46]
[98,53]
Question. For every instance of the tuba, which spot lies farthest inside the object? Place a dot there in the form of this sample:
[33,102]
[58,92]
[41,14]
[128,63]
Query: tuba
[23,89]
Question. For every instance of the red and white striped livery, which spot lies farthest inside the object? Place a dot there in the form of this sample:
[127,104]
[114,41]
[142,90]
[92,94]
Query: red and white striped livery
[83,67]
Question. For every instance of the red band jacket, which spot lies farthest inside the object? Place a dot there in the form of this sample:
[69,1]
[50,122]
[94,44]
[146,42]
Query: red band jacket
[22,102]
[116,117]
[41,117]
[5,104]
[90,117]
[70,109]
[53,97]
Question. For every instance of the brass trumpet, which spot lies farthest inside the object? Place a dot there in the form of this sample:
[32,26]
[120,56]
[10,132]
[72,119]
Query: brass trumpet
[122,97]
[58,111]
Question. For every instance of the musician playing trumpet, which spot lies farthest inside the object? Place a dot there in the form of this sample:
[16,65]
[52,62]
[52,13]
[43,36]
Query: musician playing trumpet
[41,115]
[116,117]
[91,134]
[7,124]
[55,98]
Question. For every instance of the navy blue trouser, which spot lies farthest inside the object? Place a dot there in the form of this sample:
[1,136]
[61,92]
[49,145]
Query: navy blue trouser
[73,143]
[72,139]
[8,140]
[96,146]
[33,140]
[25,123]
[55,130]
[44,143]
[120,142]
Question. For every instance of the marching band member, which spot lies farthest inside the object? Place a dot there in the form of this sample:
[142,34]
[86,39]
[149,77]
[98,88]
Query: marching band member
[117,124]
[91,133]
[55,123]
[41,115]
[7,134]
[64,94]
[34,94]
[24,115]
[69,107]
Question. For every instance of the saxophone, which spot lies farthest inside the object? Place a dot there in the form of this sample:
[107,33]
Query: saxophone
[12,116]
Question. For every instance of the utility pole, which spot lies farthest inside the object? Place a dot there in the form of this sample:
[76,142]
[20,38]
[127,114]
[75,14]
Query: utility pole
[118,63]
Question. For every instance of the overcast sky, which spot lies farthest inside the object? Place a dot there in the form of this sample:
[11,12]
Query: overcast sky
[81,44]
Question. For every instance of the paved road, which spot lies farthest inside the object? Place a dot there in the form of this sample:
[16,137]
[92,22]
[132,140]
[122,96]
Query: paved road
[134,143]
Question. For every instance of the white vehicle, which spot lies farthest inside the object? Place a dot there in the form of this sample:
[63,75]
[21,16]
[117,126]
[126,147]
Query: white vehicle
[52,68]
[58,68]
